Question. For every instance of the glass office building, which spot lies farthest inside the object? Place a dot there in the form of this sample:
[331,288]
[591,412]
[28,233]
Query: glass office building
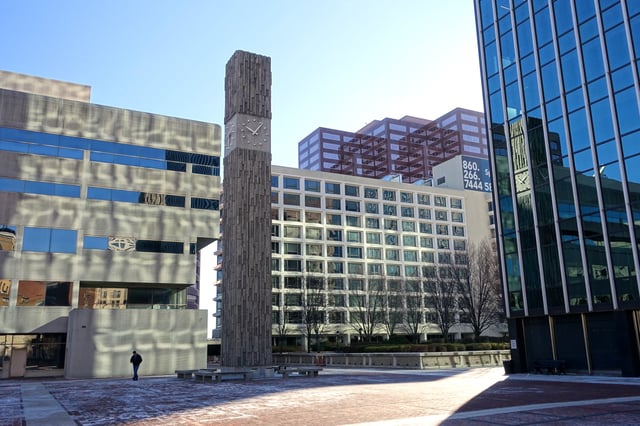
[561,88]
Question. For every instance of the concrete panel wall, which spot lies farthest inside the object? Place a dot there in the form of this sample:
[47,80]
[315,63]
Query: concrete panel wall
[99,342]
[34,319]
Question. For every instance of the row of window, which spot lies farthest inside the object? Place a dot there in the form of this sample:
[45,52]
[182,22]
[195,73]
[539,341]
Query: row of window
[24,141]
[311,233]
[332,267]
[357,252]
[332,317]
[50,240]
[311,185]
[96,193]
[291,215]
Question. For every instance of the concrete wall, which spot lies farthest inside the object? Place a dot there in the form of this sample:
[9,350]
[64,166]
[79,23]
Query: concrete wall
[100,342]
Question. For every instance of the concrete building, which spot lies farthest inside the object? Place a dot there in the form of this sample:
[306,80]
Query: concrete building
[562,96]
[340,238]
[102,212]
[409,147]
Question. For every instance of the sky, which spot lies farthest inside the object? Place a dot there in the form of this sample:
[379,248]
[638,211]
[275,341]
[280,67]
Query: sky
[335,63]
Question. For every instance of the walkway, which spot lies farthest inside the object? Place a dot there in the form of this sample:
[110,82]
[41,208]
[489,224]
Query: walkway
[479,396]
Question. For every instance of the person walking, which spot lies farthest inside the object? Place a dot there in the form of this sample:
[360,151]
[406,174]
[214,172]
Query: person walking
[135,360]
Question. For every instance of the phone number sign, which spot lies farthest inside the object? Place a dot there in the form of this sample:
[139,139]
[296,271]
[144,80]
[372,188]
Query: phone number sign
[476,174]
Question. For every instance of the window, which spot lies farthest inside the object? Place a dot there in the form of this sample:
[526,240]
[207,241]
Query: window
[275,264]
[275,247]
[406,197]
[291,199]
[409,240]
[440,201]
[441,215]
[443,244]
[49,240]
[442,229]
[392,254]
[275,214]
[457,217]
[410,271]
[393,270]
[337,300]
[407,211]
[371,193]
[293,265]
[292,215]
[460,245]
[335,283]
[408,226]
[374,269]
[314,233]
[427,257]
[333,203]
[424,199]
[373,223]
[457,231]
[352,191]
[356,284]
[332,188]
[334,251]
[354,236]
[353,221]
[315,266]
[424,213]
[274,181]
[312,217]
[44,293]
[94,243]
[410,256]
[275,281]
[355,268]
[291,231]
[444,258]
[293,317]
[274,197]
[314,250]
[456,203]
[354,252]
[334,234]
[352,206]
[334,219]
[275,230]
[292,248]
[388,195]
[292,299]
[292,282]
[426,242]
[391,224]
[390,210]
[374,253]
[312,201]
[391,239]
[426,228]
[373,237]
[372,208]
[312,185]
[290,183]
[335,267]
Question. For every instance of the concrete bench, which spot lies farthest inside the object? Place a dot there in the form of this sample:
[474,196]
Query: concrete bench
[217,375]
[551,366]
[185,374]
[300,371]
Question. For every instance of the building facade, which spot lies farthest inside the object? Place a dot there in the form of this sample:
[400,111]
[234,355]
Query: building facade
[407,148]
[341,239]
[561,87]
[102,212]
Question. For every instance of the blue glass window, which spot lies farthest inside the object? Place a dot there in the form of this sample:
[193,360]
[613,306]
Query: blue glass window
[531,96]
[622,78]
[617,47]
[585,10]
[562,13]
[204,203]
[44,188]
[578,130]
[491,58]
[543,27]
[602,122]
[525,42]
[570,70]
[312,185]
[206,170]
[611,17]
[592,56]
[95,243]
[550,86]
[159,246]
[49,240]
[597,89]
[274,181]
[290,183]
[627,108]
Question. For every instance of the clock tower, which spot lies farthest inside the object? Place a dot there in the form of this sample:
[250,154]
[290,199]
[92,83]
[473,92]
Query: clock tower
[246,266]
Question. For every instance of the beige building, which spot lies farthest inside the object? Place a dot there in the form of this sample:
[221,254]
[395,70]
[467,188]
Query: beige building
[102,212]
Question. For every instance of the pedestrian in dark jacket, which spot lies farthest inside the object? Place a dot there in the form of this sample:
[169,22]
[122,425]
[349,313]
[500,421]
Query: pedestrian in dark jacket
[135,360]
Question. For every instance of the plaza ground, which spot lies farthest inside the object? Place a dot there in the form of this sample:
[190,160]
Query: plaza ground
[476,396]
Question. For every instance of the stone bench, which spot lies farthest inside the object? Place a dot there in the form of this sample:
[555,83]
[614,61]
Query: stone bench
[300,371]
[185,374]
[216,375]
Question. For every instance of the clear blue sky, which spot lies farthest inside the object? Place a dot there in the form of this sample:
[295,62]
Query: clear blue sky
[335,63]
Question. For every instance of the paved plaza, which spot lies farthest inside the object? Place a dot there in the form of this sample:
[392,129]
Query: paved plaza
[477,396]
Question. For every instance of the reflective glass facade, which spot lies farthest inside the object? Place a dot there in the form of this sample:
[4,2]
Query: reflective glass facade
[561,86]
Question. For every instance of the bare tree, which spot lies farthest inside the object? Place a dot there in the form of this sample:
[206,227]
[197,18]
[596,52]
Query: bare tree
[282,328]
[392,310]
[413,322]
[441,291]
[479,288]
[367,309]
[313,309]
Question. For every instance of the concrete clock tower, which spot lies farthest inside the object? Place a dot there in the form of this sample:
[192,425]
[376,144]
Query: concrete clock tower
[246,266]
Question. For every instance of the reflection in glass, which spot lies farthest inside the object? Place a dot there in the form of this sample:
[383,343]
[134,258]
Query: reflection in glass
[44,293]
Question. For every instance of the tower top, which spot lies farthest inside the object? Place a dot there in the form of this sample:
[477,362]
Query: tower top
[248,85]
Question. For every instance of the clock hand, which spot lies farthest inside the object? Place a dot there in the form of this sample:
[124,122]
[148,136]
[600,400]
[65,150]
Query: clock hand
[249,129]
[257,128]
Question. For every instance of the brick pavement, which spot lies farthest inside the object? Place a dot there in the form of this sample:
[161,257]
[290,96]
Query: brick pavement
[478,396]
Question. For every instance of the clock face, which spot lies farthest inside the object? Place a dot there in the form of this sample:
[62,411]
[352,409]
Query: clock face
[248,132]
